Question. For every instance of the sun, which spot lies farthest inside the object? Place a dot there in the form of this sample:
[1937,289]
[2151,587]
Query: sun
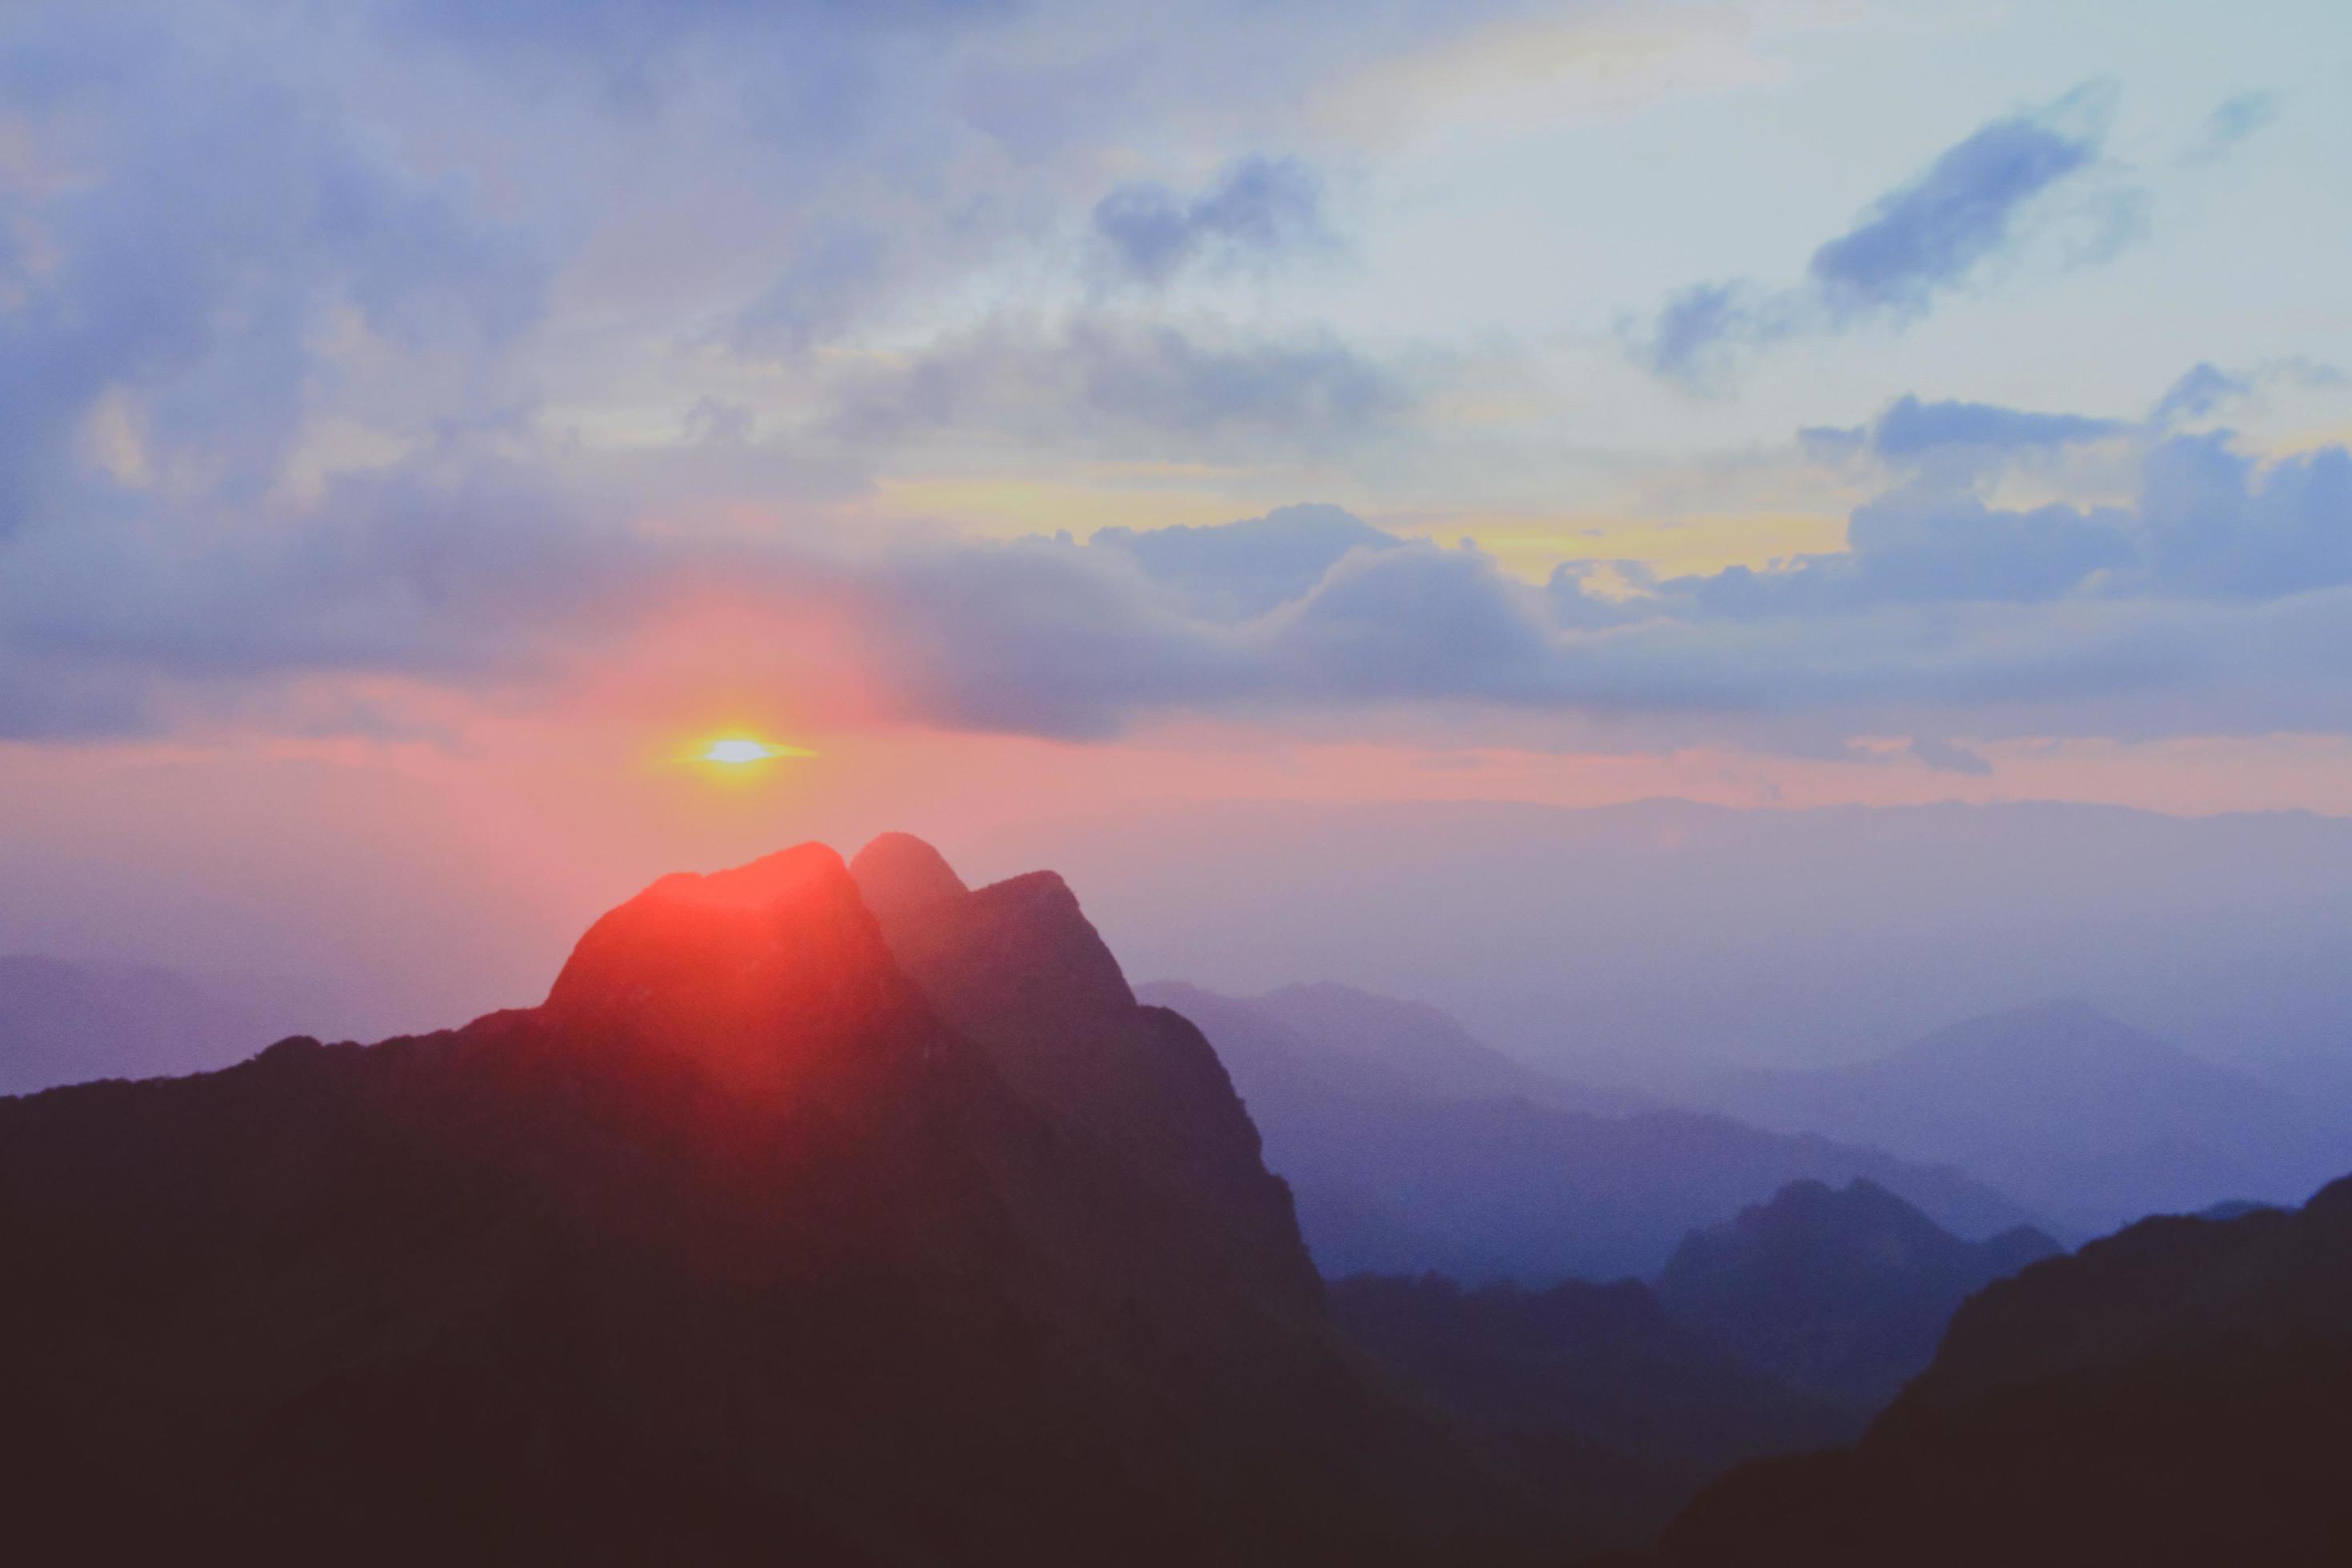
[735,755]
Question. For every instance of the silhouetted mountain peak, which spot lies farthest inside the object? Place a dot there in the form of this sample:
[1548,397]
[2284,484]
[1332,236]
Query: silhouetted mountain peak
[1022,949]
[1843,1291]
[2173,1393]
[741,1248]
[898,872]
[1864,1218]
[758,973]
[1017,968]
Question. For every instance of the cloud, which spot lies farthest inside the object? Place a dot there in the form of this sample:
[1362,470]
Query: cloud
[322,367]
[1700,328]
[1952,442]
[1258,210]
[1910,428]
[2205,389]
[2218,600]
[1927,237]
[2232,120]
[1239,571]
[1947,758]
[1101,384]
[837,279]
[2197,393]
[2215,521]
[1921,546]
[216,233]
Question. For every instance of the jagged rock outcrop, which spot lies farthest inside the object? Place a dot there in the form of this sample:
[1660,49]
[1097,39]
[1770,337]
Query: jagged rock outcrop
[1017,968]
[733,1250]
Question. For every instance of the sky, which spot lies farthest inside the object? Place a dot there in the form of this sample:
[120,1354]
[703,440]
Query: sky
[428,424]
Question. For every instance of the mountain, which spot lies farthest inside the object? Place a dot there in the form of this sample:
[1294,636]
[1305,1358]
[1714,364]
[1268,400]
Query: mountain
[732,1249]
[63,1021]
[1394,1177]
[1585,1378]
[1017,968]
[1841,1293]
[2180,1392]
[2081,1116]
[1627,942]
[1412,1050]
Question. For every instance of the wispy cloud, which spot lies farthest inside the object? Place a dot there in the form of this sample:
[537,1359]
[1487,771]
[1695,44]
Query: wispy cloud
[1257,210]
[2232,120]
[1925,239]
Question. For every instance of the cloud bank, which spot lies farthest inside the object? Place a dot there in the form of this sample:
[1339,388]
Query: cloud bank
[2218,598]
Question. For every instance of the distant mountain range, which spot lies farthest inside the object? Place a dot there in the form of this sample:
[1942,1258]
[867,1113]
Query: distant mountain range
[1398,1172]
[66,1021]
[2080,1116]
[734,1250]
[1843,1293]
[2178,1394]
[1389,1047]
[1623,942]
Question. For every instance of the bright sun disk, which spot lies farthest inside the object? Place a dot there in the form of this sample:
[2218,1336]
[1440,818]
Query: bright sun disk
[737,752]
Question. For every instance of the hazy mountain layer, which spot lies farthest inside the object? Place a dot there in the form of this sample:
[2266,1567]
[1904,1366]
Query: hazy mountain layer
[2081,1116]
[68,1022]
[1394,1177]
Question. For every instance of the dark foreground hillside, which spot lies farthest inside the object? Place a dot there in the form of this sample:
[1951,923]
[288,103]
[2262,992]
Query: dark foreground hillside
[1587,1380]
[732,1250]
[2180,1392]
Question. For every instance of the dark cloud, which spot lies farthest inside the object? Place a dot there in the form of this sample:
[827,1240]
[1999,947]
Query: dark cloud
[1257,210]
[1926,238]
